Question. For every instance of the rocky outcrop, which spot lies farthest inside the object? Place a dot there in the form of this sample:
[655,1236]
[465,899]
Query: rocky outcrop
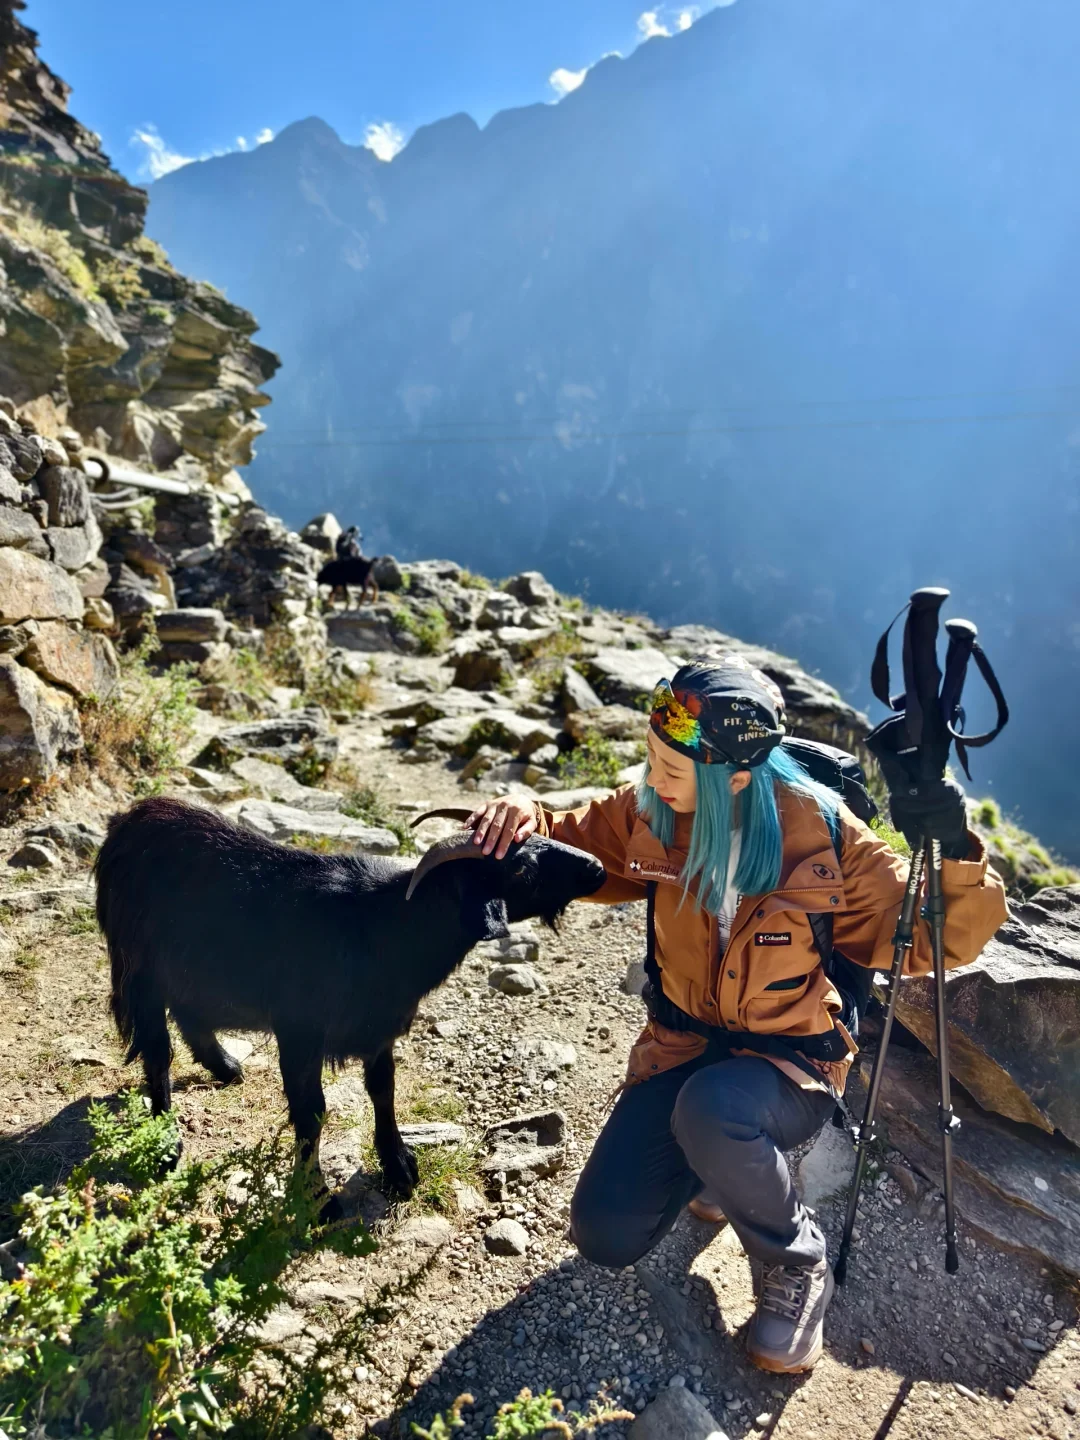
[100,333]
[1014,1016]
[1016,1185]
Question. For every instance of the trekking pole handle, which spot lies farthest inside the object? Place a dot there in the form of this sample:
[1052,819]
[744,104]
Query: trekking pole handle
[922,679]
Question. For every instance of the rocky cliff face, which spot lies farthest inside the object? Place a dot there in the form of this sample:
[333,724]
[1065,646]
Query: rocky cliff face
[100,335]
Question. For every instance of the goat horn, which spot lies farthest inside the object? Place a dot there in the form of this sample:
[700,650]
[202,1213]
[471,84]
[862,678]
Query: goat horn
[449,812]
[454,847]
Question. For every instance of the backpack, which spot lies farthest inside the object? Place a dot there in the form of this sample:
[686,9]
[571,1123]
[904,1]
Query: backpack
[841,772]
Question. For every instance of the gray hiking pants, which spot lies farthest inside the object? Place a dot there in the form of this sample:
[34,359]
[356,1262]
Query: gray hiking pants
[715,1125]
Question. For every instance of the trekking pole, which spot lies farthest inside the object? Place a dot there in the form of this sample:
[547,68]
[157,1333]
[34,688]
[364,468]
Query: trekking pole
[866,1133]
[948,1123]
[915,743]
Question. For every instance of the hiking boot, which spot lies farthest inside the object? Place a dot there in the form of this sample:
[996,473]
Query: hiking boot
[786,1331]
[707,1210]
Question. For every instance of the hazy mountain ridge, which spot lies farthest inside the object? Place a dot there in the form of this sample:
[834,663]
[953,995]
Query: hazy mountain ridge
[807,256]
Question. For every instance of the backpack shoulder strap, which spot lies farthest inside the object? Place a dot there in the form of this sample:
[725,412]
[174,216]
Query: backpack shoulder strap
[821,924]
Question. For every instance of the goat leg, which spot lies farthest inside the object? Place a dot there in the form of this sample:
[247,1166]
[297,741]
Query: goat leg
[205,1046]
[397,1160]
[300,1056]
[150,1039]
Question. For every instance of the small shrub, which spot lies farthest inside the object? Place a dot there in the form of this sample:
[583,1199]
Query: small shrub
[118,283]
[137,732]
[892,838]
[529,1415]
[150,251]
[159,312]
[56,244]
[336,687]
[594,762]
[82,921]
[433,1103]
[321,844]
[427,625]
[365,803]
[474,582]
[987,813]
[548,658]
[138,1310]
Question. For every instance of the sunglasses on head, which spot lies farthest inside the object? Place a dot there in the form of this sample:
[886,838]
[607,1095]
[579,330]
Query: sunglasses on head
[674,721]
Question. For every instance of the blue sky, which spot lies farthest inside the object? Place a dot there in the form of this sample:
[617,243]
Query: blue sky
[164,82]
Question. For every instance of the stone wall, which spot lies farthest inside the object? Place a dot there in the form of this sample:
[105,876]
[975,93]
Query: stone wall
[52,649]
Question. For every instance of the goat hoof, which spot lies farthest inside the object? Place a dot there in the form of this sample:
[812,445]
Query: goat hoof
[332,1211]
[400,1172]
[230,1074]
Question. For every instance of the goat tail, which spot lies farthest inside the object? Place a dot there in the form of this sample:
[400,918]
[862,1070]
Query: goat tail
[113,874]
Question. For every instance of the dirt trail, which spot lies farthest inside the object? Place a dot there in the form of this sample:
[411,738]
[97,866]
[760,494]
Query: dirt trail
[902,1337]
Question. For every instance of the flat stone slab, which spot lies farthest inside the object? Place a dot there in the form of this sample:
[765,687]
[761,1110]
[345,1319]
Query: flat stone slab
[526,1147]
[282,822]
[273,782]
[432,1132]
[543,1056]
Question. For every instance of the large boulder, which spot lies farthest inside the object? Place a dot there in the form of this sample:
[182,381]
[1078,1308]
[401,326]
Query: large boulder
[202,625]
[1014,1016]
[1016,1185]
[283,822]
[481,664]
[321,533]
[38,726]
[612,722]
[628,677]
[499,609]
[31,588]
[531,588]
[369,629]
[77,660]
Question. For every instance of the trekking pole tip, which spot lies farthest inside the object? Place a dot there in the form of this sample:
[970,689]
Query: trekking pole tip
[952,1259]
[840,1268]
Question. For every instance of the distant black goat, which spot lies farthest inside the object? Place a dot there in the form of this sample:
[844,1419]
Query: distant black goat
[354,570]
[227,930]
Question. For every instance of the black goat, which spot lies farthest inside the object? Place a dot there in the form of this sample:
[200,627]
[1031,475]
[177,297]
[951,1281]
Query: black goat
[353,570]
[227,930]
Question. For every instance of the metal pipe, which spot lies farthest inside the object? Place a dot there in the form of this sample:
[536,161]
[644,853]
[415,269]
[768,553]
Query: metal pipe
[117,472]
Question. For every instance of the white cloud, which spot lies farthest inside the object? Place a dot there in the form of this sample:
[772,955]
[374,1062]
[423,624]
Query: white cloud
[650,25]
[384,139]
[157,158]
[668,19]
[562,81]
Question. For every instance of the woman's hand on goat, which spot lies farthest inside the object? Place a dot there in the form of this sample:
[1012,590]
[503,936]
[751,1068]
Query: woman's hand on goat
[500,822]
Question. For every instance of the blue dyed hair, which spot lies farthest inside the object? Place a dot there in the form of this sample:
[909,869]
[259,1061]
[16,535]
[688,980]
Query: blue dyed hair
[761,850]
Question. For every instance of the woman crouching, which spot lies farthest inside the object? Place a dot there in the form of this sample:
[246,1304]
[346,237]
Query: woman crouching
[746,1050]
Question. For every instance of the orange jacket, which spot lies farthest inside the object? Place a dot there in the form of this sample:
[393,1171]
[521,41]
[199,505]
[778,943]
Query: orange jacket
[735,988]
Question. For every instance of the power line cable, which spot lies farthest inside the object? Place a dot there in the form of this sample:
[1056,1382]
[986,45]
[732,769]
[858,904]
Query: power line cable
[686,433]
